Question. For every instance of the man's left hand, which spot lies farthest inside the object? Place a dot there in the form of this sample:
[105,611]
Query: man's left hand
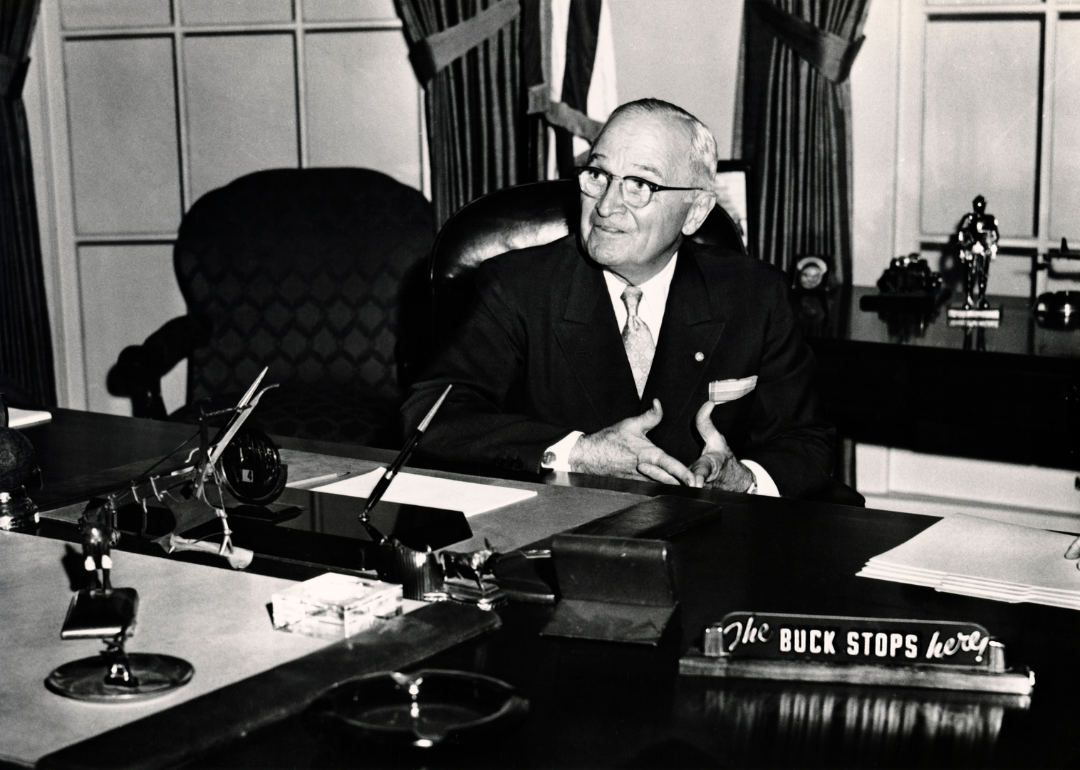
[717,467]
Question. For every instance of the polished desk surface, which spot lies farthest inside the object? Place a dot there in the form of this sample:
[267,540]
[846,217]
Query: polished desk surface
[602,705]
[213,618]
[1010,394]
[1018,333]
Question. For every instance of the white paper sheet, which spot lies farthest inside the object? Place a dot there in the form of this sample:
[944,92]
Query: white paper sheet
[990,559]
[24,418]
[432,492]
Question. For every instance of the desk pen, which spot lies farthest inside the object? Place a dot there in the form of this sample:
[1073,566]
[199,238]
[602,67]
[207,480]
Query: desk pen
[395,466]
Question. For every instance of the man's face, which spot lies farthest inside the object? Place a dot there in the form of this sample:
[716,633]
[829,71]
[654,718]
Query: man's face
[636,244]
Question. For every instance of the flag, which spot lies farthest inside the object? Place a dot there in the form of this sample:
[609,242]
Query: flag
[582,80]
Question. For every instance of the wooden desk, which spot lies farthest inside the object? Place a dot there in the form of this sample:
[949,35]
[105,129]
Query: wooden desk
[1010,394]
[607,705]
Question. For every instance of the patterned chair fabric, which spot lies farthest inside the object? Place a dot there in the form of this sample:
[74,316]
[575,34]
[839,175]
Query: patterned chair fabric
[305,271]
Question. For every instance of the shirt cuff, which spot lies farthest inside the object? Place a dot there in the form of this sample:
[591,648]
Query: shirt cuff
[557,456]
[766,487]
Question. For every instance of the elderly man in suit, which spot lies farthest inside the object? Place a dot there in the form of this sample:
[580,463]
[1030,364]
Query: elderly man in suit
[624,349]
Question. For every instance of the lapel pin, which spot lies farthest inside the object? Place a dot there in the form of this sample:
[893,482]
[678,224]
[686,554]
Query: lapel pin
[699,356]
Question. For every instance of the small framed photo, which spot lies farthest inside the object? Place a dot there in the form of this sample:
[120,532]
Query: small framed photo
[732,194]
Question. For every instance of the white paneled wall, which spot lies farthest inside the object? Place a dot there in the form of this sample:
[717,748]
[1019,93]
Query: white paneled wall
[899,480]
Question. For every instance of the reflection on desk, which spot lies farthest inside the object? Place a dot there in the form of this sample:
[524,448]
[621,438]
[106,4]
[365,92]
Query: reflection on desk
[792,725]
[839,317]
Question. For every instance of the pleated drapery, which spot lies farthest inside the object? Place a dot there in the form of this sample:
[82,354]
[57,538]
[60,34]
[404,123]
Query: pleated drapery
[582,32]
[25,341]
[478,126]
[795,127]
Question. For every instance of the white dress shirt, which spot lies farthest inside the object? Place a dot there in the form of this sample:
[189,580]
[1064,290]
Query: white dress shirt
[654,296]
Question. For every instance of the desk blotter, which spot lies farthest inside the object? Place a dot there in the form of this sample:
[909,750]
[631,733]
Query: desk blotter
[215,618]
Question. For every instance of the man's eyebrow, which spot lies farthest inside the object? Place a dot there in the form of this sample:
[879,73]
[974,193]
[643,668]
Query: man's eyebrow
[647,169]
[652,170]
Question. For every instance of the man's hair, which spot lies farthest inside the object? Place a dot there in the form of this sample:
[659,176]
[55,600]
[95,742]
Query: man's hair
[702,142]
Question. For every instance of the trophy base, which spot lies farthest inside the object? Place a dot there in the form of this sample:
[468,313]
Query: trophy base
[152,674]
[989,317]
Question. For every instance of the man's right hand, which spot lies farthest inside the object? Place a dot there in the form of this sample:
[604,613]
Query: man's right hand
[622,450]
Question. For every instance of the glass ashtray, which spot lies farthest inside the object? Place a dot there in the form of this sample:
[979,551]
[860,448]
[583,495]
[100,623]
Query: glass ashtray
[424,708]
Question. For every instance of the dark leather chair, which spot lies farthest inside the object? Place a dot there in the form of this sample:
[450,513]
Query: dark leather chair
[308,272]
[532,215]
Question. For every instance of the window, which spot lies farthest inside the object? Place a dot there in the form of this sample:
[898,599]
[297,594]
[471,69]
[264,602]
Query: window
[152,103]
[989,103]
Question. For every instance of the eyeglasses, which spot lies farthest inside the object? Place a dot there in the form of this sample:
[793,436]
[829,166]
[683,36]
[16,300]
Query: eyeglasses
[637,192]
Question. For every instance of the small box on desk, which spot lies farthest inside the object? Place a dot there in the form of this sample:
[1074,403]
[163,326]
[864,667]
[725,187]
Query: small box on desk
[334,606]
[614,589]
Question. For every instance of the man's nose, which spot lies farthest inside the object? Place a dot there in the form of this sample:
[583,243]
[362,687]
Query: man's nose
[612,199]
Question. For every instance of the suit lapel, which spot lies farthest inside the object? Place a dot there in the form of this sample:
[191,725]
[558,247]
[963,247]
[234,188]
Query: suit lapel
[590,340]
[692,325]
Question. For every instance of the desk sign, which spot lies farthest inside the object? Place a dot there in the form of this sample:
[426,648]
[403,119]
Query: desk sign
[830,648]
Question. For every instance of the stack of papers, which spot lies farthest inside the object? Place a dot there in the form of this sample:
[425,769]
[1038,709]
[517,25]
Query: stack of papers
[431,492]
[989,559]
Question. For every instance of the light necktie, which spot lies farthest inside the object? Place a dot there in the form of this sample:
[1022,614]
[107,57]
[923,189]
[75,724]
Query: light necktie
[637,339]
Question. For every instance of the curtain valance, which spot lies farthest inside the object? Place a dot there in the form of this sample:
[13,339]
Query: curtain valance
[828,53]
[435,52]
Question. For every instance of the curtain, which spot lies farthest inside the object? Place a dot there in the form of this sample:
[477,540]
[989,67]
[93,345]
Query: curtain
[795,127]
[582,93]
[582,33]
[25,341]
[480,137]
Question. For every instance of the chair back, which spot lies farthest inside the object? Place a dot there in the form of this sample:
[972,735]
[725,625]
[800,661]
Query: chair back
[302,270]
[519,217]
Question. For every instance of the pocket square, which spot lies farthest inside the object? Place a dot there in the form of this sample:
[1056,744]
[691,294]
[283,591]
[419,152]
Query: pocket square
[722,391]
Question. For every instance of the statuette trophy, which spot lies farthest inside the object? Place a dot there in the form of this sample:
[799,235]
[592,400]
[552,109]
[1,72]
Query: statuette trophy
[977,237]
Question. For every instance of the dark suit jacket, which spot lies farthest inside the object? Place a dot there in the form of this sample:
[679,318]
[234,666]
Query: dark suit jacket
[540,354]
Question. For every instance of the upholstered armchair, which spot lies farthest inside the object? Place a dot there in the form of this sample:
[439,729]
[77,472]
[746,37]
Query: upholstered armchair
[307,272]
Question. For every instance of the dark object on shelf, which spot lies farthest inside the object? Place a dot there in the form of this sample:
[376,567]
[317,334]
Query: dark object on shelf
[907,285]
[423,709]
[17,511]
[1058,310]
[1057,263]
[909,274]
[811,274]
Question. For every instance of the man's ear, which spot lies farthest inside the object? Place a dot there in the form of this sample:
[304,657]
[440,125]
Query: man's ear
[699,210]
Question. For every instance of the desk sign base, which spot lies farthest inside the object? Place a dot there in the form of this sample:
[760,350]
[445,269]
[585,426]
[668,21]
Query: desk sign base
[989,317]
[941,655]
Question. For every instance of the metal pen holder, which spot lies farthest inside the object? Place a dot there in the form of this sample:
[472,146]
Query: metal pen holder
[419,572]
